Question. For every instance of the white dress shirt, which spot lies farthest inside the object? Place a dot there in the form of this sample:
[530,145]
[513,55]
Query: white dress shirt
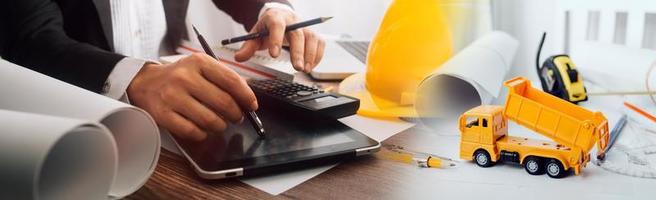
[139,27]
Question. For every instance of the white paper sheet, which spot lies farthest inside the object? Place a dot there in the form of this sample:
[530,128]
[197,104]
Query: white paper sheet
[279,183]
[377,129]
[134,131]
[259,66]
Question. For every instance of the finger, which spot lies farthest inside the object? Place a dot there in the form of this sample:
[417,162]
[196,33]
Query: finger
[216,99]
[247,50]
[199,114]
[181,127]
[229,81]
[276,27]
[311,46]
[296,48]
[320,50]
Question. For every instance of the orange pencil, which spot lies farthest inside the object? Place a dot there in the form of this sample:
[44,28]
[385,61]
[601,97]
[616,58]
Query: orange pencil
[640,111]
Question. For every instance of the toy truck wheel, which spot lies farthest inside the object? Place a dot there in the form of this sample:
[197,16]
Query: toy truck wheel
[482,158]
[555,169]
[534,165]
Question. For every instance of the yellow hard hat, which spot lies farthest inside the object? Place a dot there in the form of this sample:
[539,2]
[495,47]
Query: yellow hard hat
[412,41]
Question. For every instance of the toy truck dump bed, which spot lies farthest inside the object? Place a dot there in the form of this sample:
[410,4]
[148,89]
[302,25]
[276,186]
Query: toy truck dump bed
[563,122]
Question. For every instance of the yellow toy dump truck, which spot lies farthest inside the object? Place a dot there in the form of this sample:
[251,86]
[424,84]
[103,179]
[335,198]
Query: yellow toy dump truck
[573,129]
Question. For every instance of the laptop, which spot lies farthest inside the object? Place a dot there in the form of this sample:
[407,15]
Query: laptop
[341,59]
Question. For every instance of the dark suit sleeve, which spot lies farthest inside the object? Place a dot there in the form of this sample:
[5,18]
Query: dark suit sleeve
[32,36]
[244,11]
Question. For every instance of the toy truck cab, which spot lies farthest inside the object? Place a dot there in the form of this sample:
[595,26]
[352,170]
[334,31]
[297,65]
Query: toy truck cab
[480,128]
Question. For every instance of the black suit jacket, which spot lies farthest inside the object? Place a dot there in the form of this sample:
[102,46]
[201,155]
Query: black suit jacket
[72,40]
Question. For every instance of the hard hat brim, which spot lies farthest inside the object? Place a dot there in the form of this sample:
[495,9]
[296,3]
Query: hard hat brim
[370,104]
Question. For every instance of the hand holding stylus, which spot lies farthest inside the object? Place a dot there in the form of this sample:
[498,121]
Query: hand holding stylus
[192,97]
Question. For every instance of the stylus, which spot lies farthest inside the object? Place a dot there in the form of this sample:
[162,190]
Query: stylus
[250,115]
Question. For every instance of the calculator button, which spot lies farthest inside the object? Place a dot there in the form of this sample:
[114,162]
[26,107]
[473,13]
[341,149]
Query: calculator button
[303,93]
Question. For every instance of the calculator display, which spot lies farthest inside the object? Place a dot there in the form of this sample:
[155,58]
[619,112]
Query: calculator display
[322,99]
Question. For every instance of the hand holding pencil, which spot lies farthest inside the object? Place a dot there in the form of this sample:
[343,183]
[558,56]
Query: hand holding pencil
[273,30]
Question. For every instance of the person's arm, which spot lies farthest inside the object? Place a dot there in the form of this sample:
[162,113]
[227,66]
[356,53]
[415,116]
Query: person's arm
[33,36]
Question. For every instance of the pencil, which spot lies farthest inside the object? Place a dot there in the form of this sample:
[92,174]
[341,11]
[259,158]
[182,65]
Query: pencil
[420,161]
[250,115]
[640,111]
[265,33]
[424,160]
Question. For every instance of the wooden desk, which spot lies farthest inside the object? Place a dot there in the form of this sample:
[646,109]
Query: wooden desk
[368,177]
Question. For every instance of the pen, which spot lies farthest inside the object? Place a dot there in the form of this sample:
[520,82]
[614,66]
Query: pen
[250,115]
[265,33]
[617,129]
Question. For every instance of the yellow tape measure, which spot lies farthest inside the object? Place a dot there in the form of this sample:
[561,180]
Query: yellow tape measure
[559,76]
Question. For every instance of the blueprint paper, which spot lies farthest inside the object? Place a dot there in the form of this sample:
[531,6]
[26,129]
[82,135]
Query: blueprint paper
[135,133]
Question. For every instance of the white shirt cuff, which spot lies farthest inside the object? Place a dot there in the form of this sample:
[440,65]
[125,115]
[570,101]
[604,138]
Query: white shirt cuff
[274,5]
[119,79]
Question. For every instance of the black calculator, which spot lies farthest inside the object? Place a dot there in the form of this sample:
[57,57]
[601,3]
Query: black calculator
[297,97]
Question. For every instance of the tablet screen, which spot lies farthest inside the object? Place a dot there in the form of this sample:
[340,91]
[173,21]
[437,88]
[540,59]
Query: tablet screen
[287,138]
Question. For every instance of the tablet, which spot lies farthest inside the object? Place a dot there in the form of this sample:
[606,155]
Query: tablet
[292,141]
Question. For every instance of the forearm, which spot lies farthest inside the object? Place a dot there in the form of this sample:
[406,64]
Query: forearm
[34,38]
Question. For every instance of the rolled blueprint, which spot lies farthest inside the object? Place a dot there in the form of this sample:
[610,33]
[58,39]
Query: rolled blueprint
[47,157]
[472,77]
[134,131]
